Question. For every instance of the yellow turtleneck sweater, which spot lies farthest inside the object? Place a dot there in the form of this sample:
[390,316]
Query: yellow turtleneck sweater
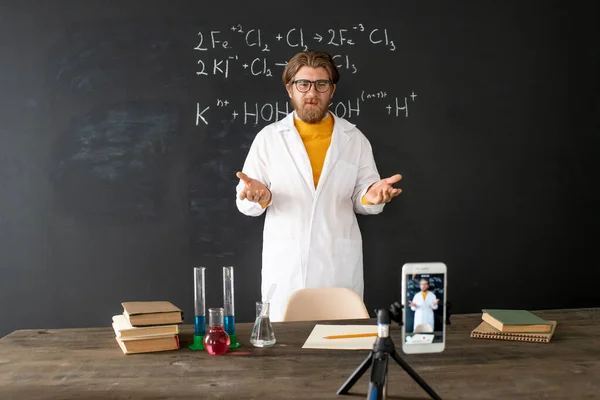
[316,139]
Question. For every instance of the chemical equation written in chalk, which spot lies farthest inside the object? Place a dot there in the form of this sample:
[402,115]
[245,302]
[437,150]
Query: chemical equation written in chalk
[341,42]
[255,113]
[256,53]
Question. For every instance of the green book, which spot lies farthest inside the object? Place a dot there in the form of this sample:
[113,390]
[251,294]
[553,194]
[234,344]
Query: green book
[515,321]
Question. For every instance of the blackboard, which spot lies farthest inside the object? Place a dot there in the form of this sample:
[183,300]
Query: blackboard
[122,125]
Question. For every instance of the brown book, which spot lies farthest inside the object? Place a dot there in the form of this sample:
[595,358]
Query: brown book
[149,345]
[521,321]
[146,313]
[486,331]
[125,331]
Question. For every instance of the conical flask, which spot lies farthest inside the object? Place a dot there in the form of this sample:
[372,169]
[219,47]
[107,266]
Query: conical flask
[262,332]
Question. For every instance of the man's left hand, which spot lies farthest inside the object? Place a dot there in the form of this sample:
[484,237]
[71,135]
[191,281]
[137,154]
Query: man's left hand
[383,191]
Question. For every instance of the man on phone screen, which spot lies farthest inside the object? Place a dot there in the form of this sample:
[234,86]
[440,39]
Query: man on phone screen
[423,304]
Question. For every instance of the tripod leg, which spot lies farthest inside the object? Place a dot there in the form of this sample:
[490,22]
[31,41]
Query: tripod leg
[362,368]
[415,376]
[378,376]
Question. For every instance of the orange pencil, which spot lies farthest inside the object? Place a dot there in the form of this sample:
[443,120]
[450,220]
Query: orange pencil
[351,336]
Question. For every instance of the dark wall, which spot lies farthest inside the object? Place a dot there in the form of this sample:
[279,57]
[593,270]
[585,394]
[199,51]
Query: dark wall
[113,186]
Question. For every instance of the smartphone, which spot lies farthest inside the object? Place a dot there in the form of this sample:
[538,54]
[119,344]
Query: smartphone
[424,307]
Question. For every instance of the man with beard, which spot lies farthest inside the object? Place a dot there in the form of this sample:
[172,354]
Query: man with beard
[311,172]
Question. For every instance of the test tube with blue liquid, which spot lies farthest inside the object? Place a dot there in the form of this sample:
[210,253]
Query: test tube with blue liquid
[199,309]
[228,306]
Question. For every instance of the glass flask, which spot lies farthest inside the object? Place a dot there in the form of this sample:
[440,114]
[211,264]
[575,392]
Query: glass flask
[262,332]
[216,340]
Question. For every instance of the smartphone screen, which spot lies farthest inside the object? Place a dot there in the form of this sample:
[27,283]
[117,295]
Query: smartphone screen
[424,309]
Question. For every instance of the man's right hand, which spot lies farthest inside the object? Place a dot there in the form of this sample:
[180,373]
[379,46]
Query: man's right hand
[253,190]
[412,304]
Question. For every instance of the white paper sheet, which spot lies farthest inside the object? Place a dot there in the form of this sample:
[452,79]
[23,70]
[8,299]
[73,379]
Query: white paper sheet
[316,338]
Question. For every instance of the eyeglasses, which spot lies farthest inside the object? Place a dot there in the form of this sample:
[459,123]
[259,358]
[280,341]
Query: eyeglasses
[304,85]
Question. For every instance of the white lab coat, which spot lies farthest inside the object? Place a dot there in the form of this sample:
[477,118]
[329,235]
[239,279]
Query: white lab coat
[311,236]
[424,309]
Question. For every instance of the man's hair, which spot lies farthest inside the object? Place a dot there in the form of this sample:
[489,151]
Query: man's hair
[424,279]
[310,58]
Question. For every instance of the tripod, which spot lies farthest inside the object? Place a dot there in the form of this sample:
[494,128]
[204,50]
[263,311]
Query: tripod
[382,350]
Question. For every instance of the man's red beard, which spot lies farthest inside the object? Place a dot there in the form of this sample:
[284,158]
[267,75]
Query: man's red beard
[308,113]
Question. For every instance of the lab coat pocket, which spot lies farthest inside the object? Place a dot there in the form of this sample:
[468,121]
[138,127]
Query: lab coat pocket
[348,269]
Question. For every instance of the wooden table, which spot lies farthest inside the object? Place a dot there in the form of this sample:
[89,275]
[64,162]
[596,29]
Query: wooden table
[87,363]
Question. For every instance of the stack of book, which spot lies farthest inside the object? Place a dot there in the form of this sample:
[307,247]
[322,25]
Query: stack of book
[147,326]
[520,325]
